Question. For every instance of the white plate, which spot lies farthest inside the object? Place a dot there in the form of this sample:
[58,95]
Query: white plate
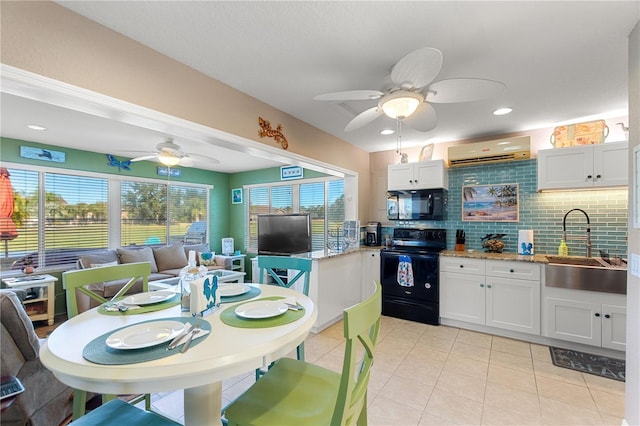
[149,298]
[227,290]
[145,335]
[261,309]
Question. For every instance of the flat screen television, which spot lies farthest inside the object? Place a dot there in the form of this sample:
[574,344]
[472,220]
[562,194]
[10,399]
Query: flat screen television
[284,234]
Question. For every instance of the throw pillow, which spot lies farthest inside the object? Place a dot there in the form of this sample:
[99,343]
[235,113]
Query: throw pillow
[170,257]
[142,254]
[206,259]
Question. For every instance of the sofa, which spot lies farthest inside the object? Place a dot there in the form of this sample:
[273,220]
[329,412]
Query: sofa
[166,262]
[45,401]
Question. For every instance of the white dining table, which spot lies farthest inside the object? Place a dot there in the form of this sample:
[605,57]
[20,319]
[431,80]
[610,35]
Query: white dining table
[226,352]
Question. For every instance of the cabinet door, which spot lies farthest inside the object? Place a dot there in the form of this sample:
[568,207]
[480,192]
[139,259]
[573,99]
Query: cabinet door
[614,327]
[611,165]
[371,271]
[462,297]
[400,176]
[430,174]
[574,321]
[513,304]
[565,168]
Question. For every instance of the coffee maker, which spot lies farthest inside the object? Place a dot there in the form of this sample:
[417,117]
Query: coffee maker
[372,236]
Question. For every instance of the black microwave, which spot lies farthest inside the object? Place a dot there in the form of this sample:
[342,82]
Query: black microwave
[419,204]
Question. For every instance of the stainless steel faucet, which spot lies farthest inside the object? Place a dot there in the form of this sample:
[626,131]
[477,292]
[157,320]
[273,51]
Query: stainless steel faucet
[587,238]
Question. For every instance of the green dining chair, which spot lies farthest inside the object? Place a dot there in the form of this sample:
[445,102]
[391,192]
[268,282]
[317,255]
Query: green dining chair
[273,266]
[79,280]
[299,393]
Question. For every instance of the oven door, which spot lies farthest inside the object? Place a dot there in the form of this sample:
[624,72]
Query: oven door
[409,275]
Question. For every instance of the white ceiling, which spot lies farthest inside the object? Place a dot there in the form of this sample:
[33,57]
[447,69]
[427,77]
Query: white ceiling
[560,61]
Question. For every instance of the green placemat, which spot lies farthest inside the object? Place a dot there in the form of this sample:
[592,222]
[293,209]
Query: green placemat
[253,292]
[175,300]
[229,317]
[97,350]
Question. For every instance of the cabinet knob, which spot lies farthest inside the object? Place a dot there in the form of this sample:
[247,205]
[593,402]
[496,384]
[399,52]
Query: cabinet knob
[462,266]
[481,285]
[488,285]
[511,270]
[598,176]
[597,314]
[589,177]
[607,316]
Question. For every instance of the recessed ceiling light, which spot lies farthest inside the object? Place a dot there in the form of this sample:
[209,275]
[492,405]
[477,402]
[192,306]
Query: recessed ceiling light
[387,132]
[502,111]
[36,127]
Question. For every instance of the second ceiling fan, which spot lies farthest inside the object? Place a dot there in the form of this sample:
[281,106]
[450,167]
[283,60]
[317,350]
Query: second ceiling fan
[171,154]
[410,97]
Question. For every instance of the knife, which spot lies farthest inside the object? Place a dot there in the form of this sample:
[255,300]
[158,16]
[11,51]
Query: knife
[176,341]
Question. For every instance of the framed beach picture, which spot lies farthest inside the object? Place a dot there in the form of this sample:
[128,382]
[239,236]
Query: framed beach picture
[490,203]
[236,196]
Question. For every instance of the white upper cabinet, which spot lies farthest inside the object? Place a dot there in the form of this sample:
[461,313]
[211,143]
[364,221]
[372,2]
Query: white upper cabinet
[422,175]
[589,166]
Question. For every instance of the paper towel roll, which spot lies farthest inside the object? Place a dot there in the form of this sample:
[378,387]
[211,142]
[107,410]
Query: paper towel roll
[525,241]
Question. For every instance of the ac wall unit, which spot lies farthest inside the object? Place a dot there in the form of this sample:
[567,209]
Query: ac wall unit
[490,152]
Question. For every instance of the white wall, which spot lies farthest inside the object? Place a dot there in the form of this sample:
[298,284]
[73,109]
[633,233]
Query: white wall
[632,409]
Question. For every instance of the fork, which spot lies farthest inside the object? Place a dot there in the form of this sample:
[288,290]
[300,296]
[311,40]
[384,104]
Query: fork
[196,330]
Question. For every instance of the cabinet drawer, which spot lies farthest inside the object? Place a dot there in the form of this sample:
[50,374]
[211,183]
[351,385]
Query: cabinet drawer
[462,265]
[506,269]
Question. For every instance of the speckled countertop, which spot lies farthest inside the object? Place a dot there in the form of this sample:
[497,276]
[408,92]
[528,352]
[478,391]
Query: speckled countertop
[476,254]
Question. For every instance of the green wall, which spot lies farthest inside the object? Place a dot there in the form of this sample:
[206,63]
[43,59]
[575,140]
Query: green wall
[95,162]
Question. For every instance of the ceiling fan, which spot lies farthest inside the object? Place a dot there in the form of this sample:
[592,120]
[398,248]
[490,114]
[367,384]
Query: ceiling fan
[409,98]
[171,154]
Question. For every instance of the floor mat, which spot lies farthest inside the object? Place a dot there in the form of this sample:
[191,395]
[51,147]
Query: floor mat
[603,366]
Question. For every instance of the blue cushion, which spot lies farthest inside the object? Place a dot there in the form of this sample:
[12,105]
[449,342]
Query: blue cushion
[118,412]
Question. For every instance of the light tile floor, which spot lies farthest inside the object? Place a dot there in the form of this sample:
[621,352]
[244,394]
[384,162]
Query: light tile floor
[428,375]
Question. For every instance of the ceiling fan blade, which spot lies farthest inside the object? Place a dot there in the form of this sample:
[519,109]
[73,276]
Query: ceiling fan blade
[418,68]
[350,95]
[185,162]
[145,157]
[363,118]
[463,90]
[200,157]
[424,119]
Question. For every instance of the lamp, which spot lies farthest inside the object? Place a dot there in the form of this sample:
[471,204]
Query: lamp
[400,104]
[168,159]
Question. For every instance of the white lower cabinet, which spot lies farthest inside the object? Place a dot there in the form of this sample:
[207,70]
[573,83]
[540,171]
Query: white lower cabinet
[591,318]
[501,294]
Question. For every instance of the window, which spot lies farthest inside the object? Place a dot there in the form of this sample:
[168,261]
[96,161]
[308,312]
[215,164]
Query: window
[322,199]
[56,215]
[144,213]
[59,215]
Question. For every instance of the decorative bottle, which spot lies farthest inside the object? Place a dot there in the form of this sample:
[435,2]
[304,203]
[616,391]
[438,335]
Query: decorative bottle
[563,250]
[188,274]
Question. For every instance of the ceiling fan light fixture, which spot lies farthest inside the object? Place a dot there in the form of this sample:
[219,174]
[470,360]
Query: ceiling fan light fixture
[386,132]
[168,159]
[400,104]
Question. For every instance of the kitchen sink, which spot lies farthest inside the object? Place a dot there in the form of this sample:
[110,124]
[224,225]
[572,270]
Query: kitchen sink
[585,273]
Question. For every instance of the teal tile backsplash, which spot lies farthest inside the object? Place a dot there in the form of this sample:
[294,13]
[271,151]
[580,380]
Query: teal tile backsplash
[541,212]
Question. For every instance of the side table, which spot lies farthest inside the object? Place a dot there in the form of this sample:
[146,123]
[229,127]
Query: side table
[236,261]
[42,305]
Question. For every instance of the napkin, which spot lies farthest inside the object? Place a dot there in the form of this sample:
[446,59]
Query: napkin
[203,294]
